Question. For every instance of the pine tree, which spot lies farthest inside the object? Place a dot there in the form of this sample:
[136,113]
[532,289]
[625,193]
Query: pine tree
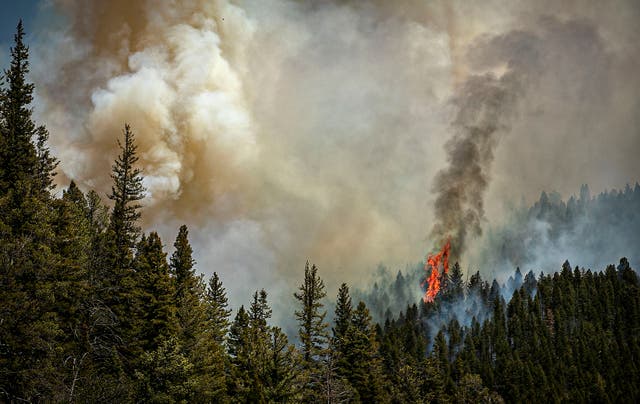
[126,191]
[165,375]
[259,311]
[455,284]
[154,320]
[209,362]
[99,252]
[46,163]
[116,281]
[342,316]
[312,330]
[240,356]
[259,353]
[208,354]
[530,282]
[201,334]
[364,370]
[189,290]
[27,169]
[182,265]
[339,355]
[72,291]
[30,333]
[71,227]
[472,390]
[265,368]
[19,159]
[283,370]
[102,331]
[97,212]
[441,357]
[217,309]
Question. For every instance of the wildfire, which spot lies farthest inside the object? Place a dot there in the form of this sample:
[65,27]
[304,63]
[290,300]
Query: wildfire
[434,262]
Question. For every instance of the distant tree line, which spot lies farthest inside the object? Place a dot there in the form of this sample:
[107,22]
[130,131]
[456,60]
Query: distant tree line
[93,310]
[589,228]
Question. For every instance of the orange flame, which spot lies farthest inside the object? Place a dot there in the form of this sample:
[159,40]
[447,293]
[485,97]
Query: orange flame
[433,263]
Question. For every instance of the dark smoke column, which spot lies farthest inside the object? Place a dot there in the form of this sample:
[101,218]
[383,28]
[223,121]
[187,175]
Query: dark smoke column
[484,104]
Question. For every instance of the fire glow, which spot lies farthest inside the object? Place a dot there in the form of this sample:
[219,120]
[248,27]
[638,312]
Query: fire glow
[436,263]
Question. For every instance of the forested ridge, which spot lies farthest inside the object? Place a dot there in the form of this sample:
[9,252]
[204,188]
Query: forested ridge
[588,228]
[92,309]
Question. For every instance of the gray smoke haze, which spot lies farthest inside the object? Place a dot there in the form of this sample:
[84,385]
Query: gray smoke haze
[283,130]
[484,104]
[553,53]
[571,126]
[589,232]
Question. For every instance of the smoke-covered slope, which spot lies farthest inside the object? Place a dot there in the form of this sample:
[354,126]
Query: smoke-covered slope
[568,336]
[589,231]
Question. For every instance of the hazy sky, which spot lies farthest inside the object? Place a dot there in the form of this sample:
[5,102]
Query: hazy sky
[283,131]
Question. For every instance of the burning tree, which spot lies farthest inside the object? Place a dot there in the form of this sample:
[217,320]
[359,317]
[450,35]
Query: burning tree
[436,263]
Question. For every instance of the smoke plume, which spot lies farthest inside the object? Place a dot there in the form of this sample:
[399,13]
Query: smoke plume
[513,66]
[283,130]
[484,104]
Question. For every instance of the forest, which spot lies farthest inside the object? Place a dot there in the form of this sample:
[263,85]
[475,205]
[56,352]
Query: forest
[93,309]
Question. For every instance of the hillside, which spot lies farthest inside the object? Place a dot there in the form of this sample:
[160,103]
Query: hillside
[570,336]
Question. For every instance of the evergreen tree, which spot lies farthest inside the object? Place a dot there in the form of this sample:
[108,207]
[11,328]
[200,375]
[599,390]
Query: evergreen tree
[240,356]
[217,310]
[165,375]
[189,290]
[27,169]
[472,390]
[259,311]
[31,338]
[182,266]
[198,323]
[208,352]
[99,257]
[203,327]
[455,284]
[259,335]
[312,330]
[530,282]
[102,331]
[364,370]
[126,191]
[19,159]
[154,320]
[264,367]
[72,229]
[342,317]
[46,163]
[72,291]
[283,370]
[115,278]
[339,365]
[97,213]
[441,357]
